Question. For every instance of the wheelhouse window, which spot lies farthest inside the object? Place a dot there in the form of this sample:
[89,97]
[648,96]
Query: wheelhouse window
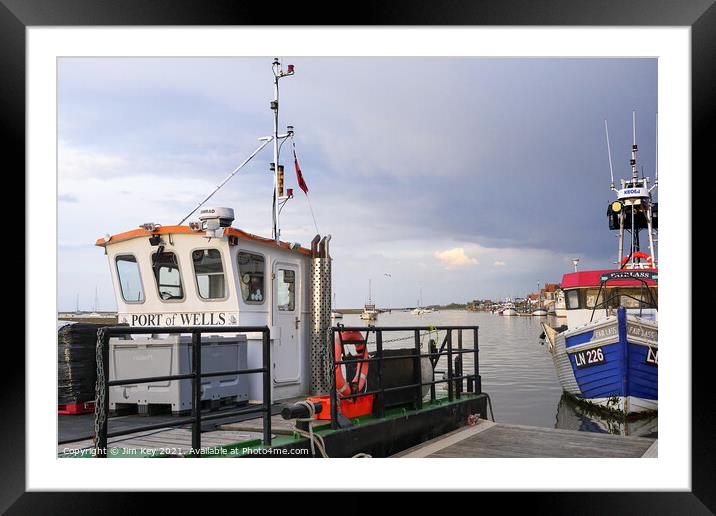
[251,276]
[209,273]
[286,290]
[167,275]
[130,282]
[572,299]
[636,297]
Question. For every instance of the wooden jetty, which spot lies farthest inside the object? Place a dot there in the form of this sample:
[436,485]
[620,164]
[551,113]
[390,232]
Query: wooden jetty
[482,440]
[488,439]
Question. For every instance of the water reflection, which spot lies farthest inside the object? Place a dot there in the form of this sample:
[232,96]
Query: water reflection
[573,415]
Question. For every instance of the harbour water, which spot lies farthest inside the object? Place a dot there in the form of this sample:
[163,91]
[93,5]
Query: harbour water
[517,371]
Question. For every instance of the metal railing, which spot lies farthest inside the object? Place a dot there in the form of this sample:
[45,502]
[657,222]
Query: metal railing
[196,375]
[454,377]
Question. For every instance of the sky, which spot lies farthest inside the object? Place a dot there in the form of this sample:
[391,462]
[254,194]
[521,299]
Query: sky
[449,179]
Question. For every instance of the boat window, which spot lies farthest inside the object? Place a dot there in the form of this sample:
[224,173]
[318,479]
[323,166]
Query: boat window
[634,297]
[609,298]
[209,272]
[166,272]
[130,282]
[572,299]
[286,290]
[251,275]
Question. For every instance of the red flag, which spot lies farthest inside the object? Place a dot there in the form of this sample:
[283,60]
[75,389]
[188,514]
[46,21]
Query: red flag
[299,177]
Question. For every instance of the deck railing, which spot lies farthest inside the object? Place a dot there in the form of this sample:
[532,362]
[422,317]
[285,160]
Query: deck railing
[102,401]
[454,379]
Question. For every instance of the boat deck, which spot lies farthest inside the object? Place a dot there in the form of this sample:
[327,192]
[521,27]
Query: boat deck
[488,439]
[177,440]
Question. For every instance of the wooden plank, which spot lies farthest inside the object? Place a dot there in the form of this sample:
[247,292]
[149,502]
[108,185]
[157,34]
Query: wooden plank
[652,452]
[500,440]
[434,445]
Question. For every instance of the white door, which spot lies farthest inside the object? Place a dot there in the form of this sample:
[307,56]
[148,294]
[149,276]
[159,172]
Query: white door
[286,299]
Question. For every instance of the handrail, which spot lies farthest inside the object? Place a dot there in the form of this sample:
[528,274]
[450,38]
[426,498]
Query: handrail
[474,386]
[196,375]
[643,282]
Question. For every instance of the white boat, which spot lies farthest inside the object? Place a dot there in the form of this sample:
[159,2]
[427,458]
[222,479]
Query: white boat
[560,305]
[369,312]
[419,310]
[608,355]
[509,309]
[540,310]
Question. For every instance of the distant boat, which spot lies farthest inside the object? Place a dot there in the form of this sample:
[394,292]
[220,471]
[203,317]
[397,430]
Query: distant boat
[560,305]
[539,311]
[369,311]
[419,310]
[509,309]
[334,314]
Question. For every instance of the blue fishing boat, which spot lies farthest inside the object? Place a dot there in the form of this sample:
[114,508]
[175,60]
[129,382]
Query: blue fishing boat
[607,354]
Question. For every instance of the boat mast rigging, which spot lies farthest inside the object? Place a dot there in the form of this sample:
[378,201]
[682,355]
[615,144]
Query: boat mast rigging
[278,198]
[633,201]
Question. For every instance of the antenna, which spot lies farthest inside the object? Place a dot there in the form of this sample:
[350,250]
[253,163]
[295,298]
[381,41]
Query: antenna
[609,151]
[656,151]
[278,73]
[634,148]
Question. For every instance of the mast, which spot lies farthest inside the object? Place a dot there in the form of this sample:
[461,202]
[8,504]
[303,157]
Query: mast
[265,140]
[278,196]
[634,175]
[633,201]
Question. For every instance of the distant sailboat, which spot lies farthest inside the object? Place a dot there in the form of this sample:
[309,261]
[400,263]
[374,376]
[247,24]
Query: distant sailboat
[369,311]
[334,314]
[540,311]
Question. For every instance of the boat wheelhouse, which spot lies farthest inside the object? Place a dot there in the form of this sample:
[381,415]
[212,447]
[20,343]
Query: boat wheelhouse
[186,276]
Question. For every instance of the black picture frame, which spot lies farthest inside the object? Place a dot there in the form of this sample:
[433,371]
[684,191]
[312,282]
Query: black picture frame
[700,15]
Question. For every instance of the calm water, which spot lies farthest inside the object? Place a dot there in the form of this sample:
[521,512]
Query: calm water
[517,371]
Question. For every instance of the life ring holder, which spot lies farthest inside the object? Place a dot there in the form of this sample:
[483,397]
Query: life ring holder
[360,379]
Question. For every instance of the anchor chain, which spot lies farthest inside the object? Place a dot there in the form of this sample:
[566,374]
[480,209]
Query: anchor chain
[100,411]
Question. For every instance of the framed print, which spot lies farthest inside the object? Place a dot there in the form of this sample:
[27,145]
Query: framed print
[429,244]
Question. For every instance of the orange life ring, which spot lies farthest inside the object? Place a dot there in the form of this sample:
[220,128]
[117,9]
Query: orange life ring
[361,377]
[638,254]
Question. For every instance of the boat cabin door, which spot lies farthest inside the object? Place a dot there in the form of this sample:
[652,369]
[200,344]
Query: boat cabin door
[285,355]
